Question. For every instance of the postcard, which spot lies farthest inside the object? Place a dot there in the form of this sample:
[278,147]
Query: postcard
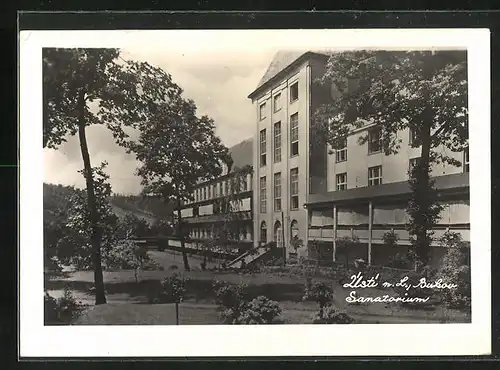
[255,193]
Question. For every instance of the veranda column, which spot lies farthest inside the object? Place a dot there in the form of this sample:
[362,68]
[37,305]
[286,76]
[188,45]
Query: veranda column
[334,232]
[370,224]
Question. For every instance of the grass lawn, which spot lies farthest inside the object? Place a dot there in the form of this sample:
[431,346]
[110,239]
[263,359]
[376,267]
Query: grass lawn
[148,314]
[128,300]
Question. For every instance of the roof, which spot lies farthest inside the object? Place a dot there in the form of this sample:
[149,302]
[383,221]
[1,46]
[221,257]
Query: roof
[242,154]
[282,62]
[445,183]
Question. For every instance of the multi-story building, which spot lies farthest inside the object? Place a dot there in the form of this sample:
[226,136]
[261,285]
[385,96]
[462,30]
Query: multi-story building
[209,212]
[357,191]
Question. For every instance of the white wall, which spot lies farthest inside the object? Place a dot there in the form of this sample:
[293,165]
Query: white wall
[394,167]
[301,106]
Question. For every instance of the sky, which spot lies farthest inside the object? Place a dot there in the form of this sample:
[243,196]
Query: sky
[218,81]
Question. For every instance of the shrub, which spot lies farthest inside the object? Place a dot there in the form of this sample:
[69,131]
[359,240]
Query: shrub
[400,261]
[229,296]
[330,315]
[236,308]
[455,270]
[260,310]
[173,289]
[318,292]
[62,310]
[127,255]
[173,267]
[390,238]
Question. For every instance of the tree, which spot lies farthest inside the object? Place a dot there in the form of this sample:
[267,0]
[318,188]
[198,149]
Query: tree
[176,149]
[133,226]
[174,290]
[424,91]
[82,87]
[75,246]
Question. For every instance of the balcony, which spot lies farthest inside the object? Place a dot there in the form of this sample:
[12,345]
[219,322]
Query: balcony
[239,216]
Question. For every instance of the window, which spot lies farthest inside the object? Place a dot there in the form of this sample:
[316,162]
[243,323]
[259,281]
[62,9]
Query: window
[214,191]
[413,139]
[341,154]
[412,164]
[277,192]
[209,191]
[294,92]
[466,160]
[263,147]
[204,193]
[277,102]
[277,142]
[263,195]
[262,111]
[374,175]
[374,140]
[263,232]
[294,188]
[294,134]
[341,181]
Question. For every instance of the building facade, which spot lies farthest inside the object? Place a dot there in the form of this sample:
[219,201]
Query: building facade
[303,191]
[224,205]
[284,101]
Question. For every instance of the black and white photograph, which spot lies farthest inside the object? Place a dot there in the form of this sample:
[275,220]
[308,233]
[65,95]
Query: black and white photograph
[212,181]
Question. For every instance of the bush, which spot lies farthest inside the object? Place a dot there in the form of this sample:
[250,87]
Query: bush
[229,296]
[260,310]
[126,256]
[173,289]
[455,270]
[390,238]
[330,315]
[62,310]
[236,308]
[400,261]
[318,292]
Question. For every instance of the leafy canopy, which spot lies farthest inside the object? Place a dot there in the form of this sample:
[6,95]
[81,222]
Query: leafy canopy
[177,149]
[397,90]
[117,93]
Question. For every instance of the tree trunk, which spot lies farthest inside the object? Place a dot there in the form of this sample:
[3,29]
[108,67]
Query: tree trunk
[423,193]
[176,313]
[100,297]
[181,238]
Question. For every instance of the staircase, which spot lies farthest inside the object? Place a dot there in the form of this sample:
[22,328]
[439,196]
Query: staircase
[254,255]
